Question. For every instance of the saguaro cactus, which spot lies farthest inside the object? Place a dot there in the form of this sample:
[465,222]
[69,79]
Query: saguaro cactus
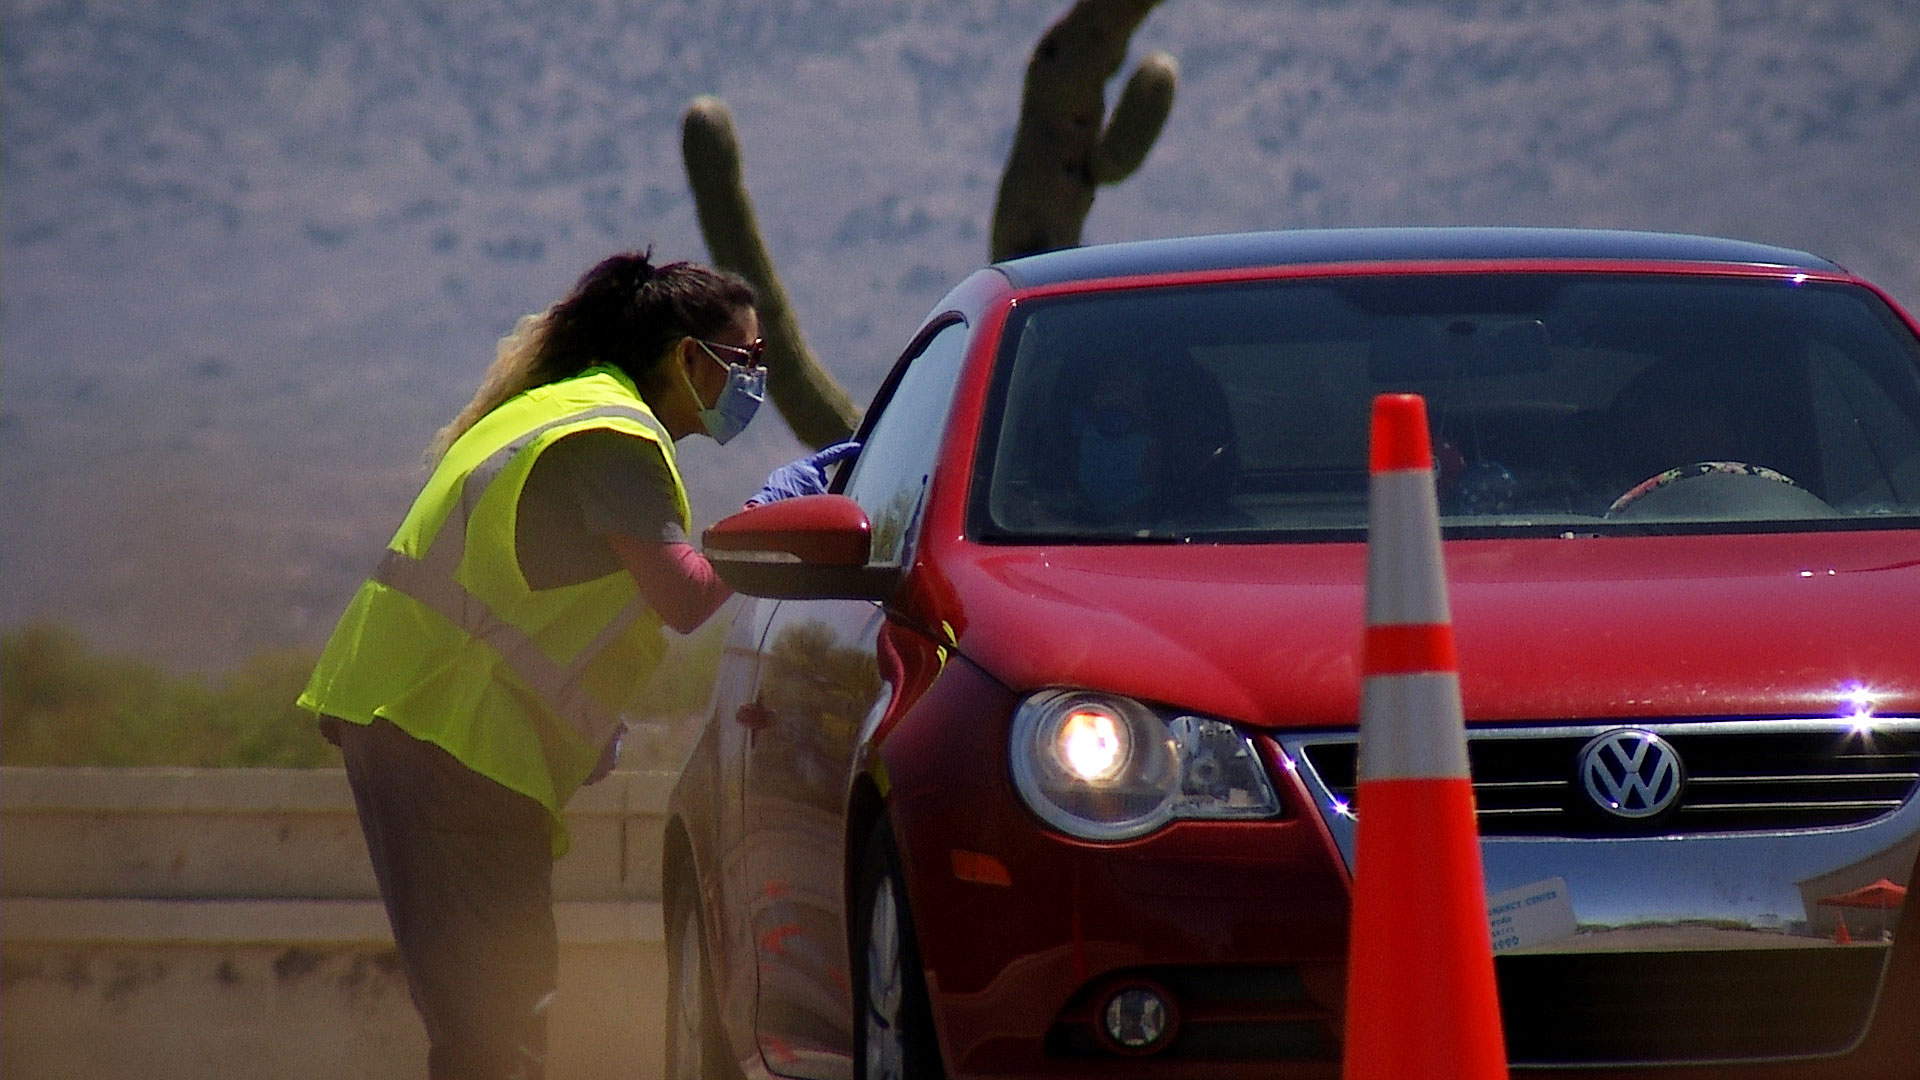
[814,405]
[1061,153]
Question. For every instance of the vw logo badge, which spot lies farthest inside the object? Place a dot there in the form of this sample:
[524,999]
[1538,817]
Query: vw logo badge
[1631,773]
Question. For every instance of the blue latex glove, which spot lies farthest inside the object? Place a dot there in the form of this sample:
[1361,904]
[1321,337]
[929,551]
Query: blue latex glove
[807,476]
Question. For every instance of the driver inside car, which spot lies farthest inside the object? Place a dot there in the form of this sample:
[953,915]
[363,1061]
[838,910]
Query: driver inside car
[1117,453]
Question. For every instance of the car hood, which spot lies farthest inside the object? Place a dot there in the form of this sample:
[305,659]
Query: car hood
[1618,627]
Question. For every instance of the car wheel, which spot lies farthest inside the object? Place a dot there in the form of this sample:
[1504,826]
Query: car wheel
[894,1035]
[696,1049]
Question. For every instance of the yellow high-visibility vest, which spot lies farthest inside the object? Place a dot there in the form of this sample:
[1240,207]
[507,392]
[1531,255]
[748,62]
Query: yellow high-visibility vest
[449,643]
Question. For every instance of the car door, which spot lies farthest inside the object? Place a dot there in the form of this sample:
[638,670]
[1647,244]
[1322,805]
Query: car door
[729,726]
[820,689]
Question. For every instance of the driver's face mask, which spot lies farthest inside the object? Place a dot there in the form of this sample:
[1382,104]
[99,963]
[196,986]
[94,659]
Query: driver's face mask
[1112,458]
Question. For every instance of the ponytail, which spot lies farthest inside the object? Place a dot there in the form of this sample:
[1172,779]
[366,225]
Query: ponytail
[624,312]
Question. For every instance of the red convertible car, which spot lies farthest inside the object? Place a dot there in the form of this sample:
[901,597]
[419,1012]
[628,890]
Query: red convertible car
[1034,753]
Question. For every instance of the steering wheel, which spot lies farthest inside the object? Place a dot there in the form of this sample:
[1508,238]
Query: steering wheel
[1720,469]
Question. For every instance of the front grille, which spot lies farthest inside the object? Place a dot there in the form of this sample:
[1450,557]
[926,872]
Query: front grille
[1740,776]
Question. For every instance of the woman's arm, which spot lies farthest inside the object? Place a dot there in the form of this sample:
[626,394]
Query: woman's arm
[676,580]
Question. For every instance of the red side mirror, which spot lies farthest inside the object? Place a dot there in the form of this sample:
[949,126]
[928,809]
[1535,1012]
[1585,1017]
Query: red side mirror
[812,546]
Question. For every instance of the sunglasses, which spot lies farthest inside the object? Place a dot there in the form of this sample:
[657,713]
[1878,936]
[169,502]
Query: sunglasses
[749,355]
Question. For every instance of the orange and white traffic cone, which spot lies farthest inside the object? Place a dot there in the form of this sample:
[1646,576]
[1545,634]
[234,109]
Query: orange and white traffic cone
[1421,999]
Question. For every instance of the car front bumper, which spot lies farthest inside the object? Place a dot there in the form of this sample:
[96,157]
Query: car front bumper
[1686,952]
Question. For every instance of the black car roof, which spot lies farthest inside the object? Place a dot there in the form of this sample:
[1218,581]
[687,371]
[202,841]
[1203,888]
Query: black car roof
[1304,246]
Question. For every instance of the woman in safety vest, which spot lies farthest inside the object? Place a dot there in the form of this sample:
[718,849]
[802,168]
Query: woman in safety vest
[478,677]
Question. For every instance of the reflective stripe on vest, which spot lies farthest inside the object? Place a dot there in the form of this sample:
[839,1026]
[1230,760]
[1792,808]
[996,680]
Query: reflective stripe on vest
[432,581]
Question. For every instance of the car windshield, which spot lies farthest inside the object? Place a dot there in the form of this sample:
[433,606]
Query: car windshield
[1585,404]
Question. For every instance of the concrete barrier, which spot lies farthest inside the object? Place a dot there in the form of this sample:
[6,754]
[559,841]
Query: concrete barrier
[225,923]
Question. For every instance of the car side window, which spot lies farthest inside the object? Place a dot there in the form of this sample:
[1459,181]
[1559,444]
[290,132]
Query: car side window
[889,479]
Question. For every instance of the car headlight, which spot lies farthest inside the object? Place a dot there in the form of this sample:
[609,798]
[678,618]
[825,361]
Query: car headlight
[1104,767]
